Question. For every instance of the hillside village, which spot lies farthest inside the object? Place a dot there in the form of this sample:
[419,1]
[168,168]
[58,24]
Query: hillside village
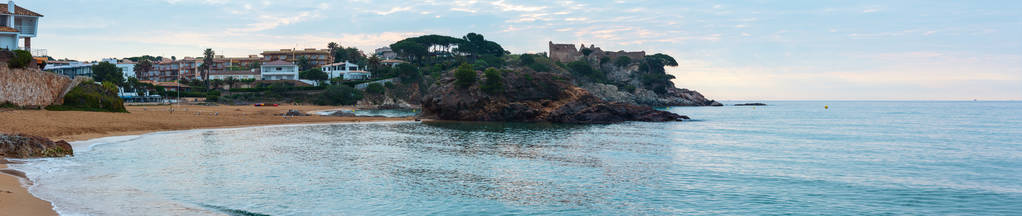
[396,76]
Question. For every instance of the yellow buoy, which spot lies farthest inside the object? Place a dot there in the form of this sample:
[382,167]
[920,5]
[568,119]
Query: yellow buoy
[826,107]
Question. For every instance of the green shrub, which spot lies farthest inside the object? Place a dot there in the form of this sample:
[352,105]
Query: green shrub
[409,73]
[480,65]
[628,88]
[339,95]
[623,61]
[604,60]
[375,88]
[493,83]
[389,85]
[212,96]
[465,76]
[538,67]
[90,97]
[21,59]
[585,70]
[526,59]
[110,87]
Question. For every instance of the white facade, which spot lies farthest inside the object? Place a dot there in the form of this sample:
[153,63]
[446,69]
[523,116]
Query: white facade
[279,70]
[127,69]
[16,24]
[76,69]
[237,75]
[345,70]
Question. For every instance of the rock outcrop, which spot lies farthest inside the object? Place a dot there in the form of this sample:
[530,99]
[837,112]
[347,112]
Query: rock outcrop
[532,97]
[751,104]
[28,146]
[641,96]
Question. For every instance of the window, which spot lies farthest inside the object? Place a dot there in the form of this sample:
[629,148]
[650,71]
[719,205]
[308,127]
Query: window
[280,69]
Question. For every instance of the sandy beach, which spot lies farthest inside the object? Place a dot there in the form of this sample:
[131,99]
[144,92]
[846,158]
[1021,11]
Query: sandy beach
[77,126]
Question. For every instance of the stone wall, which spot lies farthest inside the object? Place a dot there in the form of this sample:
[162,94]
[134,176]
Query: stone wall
[567,53]
[563,52]
[635,56]
[32,87]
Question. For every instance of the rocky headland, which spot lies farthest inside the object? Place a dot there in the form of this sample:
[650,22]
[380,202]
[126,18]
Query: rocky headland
[528,96]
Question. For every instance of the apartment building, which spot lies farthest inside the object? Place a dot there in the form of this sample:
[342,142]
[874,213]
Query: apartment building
[318,57]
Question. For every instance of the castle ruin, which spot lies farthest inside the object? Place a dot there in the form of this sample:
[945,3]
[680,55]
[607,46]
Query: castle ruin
[567,53]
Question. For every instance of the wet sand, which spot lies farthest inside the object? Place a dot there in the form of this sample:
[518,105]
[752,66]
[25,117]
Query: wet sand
[77,126]
[15,199]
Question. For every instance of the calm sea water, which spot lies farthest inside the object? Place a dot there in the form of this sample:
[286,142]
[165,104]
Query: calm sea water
[856,158]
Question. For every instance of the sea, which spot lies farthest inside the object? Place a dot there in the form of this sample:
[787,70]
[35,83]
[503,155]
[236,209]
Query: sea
[787,158]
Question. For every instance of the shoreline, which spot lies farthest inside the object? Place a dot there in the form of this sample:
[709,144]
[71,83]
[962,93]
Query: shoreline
[76,126]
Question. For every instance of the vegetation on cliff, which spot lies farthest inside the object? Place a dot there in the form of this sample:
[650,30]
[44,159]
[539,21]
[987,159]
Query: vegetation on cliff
[89,96]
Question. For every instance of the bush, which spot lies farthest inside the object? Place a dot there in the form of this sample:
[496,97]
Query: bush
[526,59]
[212,96]
[623,61]
[409,73]
[628,88]
[389,85]
[313,74]
[604,60]
[339,95]
[110,87]
[585,70]
[493,83]
[538,67]
[21,59]
[375,88]
[90,97]
[480,65]
[465,76]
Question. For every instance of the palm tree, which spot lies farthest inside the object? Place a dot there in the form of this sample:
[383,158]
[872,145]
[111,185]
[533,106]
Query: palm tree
[217,83]
[374,63]
[230,82]
[207,62]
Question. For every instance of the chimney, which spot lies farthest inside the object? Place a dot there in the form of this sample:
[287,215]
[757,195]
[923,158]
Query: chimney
[10,6]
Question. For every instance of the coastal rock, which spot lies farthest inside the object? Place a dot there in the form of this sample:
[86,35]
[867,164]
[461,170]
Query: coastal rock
[294,113]
[28,146]
[343,113]
[532,97]
[751,104]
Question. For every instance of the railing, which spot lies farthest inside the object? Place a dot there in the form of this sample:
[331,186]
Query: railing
[26,29]
[35,52]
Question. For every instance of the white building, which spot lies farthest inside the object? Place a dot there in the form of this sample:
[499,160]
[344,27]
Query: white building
[345,70]
[75,69]
[279,70]
[236,75]
[127,67]
[17,23]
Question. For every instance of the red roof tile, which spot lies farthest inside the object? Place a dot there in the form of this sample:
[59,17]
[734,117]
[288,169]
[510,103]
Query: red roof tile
[8,29]
[18,10]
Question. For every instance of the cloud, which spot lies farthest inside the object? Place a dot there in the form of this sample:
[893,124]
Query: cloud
[510,7]
[266,20]
[393,10]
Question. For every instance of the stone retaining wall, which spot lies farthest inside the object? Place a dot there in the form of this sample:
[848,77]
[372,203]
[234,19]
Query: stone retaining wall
[32,87]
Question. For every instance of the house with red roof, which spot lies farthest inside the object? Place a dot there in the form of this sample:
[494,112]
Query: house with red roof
[17,23]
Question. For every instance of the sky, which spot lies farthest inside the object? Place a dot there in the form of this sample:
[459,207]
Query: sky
[727,50]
